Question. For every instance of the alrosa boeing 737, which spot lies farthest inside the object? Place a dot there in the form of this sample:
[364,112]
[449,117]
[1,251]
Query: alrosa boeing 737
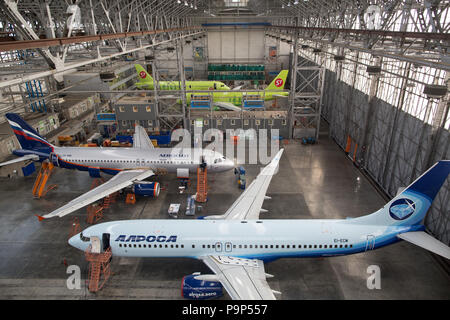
[130,166]
[236,245]
[230,100]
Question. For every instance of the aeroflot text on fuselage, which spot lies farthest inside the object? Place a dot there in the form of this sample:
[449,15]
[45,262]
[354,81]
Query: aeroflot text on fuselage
[141,238]
[169,155]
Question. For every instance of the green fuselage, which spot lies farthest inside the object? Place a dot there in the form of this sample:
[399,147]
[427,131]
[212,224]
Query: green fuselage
[190,85]
[236,97]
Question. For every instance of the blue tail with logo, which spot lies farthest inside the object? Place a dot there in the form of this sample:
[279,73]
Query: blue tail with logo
[28,138]
[410,207]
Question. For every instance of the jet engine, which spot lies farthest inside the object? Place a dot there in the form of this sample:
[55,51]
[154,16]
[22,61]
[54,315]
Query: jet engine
[147,189]
[200,287]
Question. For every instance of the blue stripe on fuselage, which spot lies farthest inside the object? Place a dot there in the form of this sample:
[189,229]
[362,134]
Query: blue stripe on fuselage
[380,241]
[70,165]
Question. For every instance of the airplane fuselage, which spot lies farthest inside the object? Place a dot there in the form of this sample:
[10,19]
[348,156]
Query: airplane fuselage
[266,240]
[114,160]
[190,85]
[237,97]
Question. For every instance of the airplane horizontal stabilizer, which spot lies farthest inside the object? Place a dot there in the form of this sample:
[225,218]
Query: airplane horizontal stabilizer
[424,240]
[24,158]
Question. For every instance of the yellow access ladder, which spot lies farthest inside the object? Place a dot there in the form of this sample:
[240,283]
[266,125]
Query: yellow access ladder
[41,180]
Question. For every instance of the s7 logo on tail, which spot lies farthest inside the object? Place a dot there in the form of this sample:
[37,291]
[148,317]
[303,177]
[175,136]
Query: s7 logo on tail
[279,82]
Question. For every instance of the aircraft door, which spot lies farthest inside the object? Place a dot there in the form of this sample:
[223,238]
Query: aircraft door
[54,159]
[106,241]
[228,247]
[218,246]
[95,245]
[203,162]
[370,242]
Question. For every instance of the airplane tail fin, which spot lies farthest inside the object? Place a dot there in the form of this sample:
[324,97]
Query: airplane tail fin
[143,74]
[28,138]
[410,207]
[279,82]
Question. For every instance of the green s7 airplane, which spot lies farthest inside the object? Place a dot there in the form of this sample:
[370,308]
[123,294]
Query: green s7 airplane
[146,82]
[233,100]
[230,100]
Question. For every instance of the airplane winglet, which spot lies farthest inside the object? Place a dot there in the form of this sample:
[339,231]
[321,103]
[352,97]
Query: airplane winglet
[40,218]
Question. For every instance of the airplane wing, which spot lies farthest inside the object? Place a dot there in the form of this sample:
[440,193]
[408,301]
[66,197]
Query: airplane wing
[248,205]
[119,181]
[24,158]
[244,279]
[141,139]
[227,105]
[237,88]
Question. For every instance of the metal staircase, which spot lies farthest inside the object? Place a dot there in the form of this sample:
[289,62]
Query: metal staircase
[202,186]
[41,180]
[99,268]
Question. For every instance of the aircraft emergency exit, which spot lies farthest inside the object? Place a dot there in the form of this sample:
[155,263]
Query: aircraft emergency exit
[130,166]
[235,245]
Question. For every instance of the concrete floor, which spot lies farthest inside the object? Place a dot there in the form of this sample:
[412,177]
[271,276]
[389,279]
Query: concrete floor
[313,182]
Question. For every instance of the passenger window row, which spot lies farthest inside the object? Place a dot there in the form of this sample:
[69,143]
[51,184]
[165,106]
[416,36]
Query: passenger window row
[131,161]
[129,245]
[293,246]
[245,246]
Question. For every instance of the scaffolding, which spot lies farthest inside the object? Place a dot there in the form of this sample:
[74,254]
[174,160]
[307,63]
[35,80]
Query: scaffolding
[94,213]
[201,185]
[99,268]
[41,180]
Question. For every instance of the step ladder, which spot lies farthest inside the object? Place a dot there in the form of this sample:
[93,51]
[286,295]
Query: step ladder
[99,268]
[94,213]
[108,200]
[201,185]
[41,180]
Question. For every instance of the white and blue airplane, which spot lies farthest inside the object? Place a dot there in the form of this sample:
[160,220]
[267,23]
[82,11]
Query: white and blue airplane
[235,245]
[130,166]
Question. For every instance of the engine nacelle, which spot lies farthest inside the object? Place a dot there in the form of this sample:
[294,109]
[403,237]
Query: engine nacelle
[147,189]
[192,288]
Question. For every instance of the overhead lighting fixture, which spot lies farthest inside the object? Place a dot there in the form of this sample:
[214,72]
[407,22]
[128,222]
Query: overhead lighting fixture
[296,2]
[185,3]
[282,6]
[289,4]
[192,6]
[179,1]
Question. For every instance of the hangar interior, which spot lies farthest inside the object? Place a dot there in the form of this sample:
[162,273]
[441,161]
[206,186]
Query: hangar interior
[362,113]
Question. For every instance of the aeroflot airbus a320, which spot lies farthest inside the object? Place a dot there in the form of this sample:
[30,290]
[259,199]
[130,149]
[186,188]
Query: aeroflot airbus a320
[130,166]
[235,245]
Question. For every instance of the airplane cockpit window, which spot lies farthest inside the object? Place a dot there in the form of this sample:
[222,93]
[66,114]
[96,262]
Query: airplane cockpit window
[83,238]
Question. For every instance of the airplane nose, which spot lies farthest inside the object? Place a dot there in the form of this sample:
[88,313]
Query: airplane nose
[76,242]
[229,164]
